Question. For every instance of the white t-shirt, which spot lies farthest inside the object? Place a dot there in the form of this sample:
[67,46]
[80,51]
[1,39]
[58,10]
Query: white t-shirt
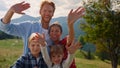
[65,64]
[45,31]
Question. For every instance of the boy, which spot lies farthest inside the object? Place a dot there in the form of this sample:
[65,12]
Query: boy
[34,58]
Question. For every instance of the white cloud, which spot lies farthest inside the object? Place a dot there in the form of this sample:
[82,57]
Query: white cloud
[62,7]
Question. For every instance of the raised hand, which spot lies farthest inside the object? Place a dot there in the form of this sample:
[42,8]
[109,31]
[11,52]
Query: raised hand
[72,17]
[20,7]
[41,38]
[73,47]
[75,15]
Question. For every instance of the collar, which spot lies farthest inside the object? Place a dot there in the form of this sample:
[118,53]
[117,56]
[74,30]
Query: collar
[32,57]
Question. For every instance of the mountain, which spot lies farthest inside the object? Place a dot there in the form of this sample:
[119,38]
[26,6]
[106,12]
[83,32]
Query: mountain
[62,20]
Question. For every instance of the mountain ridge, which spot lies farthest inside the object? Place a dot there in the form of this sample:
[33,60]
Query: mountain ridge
[61,20]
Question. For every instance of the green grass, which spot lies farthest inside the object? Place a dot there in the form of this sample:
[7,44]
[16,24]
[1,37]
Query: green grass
[11,49]
[95,63]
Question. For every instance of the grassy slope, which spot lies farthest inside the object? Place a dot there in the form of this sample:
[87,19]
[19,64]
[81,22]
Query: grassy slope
[11,49]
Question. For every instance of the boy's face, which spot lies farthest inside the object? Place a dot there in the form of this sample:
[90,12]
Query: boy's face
[34,47]
[57,58]
[55,33]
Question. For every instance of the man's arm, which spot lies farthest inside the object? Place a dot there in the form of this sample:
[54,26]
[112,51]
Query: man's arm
[17,8]
[6,19]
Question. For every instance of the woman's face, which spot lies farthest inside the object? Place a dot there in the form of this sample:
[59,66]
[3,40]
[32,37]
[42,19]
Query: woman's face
[55,33]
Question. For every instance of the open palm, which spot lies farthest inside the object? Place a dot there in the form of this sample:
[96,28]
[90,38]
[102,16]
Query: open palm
[20,7]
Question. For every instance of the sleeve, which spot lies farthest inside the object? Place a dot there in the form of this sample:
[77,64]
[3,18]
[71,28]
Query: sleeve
[68,61]
[64,41]
[46,56]
[19,63]
[16,29]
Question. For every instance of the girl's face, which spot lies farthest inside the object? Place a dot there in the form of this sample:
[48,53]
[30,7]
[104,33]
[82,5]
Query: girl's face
[55,33]
[56,58]
[34,47]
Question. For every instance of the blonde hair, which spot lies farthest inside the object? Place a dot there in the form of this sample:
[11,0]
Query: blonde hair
[49,2]
[56,49]
[32,37]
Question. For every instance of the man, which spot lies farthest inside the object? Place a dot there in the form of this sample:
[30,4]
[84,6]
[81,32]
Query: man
[24,29]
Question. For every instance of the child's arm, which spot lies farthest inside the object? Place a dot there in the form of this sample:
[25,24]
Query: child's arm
[71,51]
[73,47]
[72,17]
[66,63]
[17,8]
[45,55]
[44,51]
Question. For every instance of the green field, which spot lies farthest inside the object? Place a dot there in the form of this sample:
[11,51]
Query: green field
[11,49]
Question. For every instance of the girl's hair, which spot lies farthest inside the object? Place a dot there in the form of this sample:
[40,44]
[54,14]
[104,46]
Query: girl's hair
[56,49]
[47,2]
[55,24]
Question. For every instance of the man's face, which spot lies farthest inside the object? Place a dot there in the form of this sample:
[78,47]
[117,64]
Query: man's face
[47,12]
[34,47]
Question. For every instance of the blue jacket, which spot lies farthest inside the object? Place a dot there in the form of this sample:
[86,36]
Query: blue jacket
[22,29]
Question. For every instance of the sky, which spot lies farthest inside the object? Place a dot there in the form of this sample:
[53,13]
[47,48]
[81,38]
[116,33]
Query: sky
[62,7]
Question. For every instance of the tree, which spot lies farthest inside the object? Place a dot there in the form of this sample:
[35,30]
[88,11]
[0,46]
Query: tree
[5,36]
[87,48]
[102,27]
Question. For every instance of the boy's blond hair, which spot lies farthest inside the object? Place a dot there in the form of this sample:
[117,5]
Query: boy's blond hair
[32,37]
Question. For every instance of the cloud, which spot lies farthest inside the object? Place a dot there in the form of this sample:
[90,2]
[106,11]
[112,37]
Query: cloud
[2,7]
[63,7]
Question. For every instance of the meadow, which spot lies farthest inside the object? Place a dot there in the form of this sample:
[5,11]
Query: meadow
[11,49]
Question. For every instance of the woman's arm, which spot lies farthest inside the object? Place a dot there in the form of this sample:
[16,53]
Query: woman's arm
[72,17]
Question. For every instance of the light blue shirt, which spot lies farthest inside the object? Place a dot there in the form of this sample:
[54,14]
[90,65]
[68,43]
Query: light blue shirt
[22,29]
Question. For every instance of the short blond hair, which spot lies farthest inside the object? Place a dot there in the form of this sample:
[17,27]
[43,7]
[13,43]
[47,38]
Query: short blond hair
[32,37]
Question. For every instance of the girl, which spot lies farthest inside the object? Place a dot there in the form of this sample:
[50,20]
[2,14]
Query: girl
[55,60]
